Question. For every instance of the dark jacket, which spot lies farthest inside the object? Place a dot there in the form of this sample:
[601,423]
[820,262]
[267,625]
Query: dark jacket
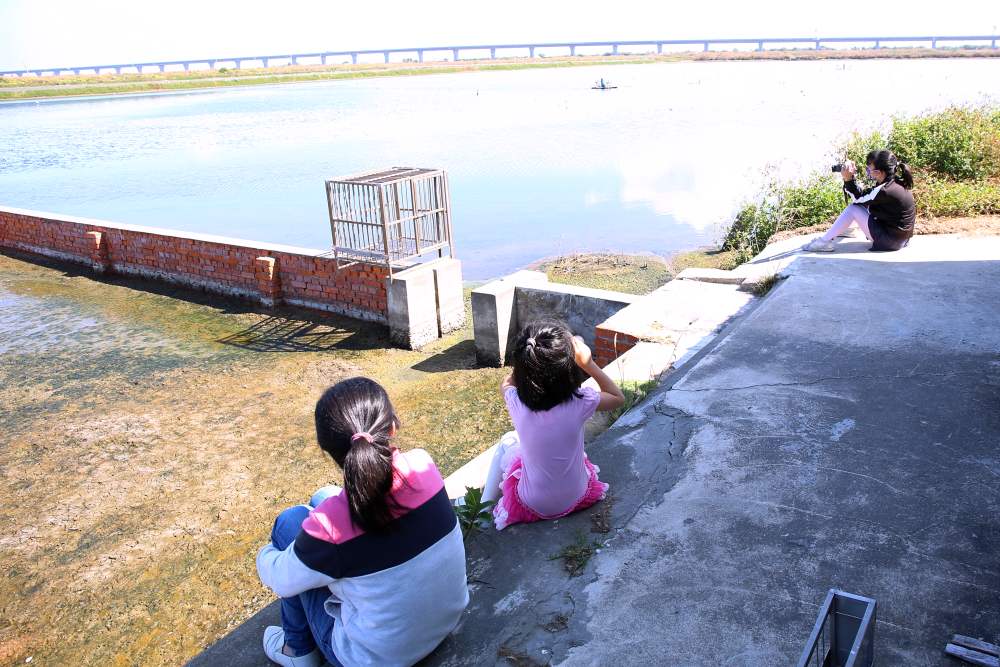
[891,212]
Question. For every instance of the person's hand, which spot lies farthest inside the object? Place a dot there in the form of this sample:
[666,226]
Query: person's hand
[581,353]
[848,171]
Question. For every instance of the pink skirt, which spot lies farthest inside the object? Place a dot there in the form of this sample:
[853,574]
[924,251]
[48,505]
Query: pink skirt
[510,510]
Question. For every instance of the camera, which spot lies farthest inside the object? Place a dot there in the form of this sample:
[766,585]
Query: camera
[836,168]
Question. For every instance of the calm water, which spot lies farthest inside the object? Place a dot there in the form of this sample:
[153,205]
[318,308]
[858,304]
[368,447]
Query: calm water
[538,162]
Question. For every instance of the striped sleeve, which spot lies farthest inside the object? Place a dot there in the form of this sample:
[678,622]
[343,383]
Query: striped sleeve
[285,573]
[859,196]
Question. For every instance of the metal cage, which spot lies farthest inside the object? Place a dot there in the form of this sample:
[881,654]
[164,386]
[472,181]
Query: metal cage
[389,217]
[844,634]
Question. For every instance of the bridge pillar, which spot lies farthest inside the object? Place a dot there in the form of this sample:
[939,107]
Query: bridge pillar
[659,47]
[420,55]
[454,55]
[354,58]
[993,44]
[706,46]
[760,46]
[933,43]
[614,49]
[531,52]
[572,49]
[295,60]
[187,67]
[878,44]
[163,68]
[817,45]
[211,64]
[118,70]
[76,71]
[493,53]
[322,59]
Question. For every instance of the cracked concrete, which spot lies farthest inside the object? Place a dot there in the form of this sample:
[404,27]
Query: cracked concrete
[842,434]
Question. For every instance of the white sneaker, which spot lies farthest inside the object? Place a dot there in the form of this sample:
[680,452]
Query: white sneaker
[819,245]
[274,642]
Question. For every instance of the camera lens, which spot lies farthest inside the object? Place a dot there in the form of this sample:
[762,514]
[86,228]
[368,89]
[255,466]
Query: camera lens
[836,168]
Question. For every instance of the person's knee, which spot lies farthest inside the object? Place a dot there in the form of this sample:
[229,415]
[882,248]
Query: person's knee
[287,526]
[323,493]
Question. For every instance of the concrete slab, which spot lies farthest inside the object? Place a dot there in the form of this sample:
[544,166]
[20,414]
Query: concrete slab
[844,434]
[719,276]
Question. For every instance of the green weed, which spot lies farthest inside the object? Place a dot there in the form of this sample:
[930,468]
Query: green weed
[576,556]
[472,512]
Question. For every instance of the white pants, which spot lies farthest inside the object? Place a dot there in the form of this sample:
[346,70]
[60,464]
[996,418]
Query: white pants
[855,213]
[502,455]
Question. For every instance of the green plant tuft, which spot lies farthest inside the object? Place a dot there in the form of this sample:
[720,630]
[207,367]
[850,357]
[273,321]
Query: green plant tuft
[472,512]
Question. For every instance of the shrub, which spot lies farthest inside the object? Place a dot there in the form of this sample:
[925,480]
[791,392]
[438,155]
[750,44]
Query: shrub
[963,143]
[940,197]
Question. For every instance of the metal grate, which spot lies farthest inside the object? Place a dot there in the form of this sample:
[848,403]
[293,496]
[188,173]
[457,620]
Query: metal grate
[390,216]
[844,634]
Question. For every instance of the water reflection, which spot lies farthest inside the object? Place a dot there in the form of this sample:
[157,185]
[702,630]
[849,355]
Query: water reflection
[538,162]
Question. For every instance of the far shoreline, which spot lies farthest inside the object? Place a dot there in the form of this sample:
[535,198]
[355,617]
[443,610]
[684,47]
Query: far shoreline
[112,85]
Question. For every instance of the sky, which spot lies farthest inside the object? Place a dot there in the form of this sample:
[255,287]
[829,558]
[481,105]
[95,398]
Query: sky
[66,33]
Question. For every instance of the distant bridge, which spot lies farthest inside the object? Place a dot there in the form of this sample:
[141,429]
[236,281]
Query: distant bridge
[512,50]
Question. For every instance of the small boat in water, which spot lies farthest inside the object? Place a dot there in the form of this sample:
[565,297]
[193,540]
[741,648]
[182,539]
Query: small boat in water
[603,85]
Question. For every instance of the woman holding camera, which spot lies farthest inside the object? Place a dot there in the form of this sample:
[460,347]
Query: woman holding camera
[885,213]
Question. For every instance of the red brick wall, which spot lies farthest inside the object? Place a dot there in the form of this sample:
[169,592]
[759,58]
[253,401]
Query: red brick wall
[262,272]
[610,344]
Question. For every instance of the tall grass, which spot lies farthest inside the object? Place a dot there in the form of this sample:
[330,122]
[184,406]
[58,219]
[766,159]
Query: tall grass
[954,154]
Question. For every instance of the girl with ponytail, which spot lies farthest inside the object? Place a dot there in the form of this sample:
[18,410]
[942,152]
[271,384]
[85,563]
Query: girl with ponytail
[374,572]
[539,470]
[885,213]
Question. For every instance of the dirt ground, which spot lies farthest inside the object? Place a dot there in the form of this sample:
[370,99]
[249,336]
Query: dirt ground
[983,224]
[148,439]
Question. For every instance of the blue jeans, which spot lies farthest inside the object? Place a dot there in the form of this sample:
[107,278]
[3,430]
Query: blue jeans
[303,618]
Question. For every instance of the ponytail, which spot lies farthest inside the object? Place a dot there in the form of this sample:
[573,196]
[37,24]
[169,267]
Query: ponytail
[367,481]
[354,421]
[905,177]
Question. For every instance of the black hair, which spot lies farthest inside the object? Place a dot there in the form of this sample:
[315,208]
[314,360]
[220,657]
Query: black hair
[360,406]
[894,170]
[545,369]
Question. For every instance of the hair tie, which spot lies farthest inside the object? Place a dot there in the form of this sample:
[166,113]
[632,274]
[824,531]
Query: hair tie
[363,435]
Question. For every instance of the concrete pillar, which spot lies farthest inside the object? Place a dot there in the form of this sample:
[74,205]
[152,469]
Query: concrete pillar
[412,303]
[295,60]
[659,47]
[118,70]
[322,59]
[97,245]
[878,44]
[420,55]
[933,43]
[494,318]
[265,271]
[817,45]
[493,53]
[706,46]
[450,299]
[266,62]
[385,56]
[354,58]
[187,67]
[531,52]
[572,49]
[760,46]
[614,49]
[163,68]
[454,55]
[211,64]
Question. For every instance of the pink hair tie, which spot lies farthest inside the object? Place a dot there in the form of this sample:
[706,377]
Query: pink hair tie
[364,435]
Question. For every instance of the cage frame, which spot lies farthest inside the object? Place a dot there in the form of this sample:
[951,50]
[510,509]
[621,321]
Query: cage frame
[853,648]
[367,220]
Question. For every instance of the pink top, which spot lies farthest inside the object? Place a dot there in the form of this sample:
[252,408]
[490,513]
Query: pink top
[553,477]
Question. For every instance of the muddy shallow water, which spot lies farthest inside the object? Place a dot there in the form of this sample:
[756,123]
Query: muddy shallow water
[148,439]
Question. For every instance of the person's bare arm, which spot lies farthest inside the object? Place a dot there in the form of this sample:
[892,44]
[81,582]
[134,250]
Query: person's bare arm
[612,397]
[507,382]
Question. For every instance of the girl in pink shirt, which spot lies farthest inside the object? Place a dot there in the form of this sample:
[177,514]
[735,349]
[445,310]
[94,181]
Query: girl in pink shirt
[540,471]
